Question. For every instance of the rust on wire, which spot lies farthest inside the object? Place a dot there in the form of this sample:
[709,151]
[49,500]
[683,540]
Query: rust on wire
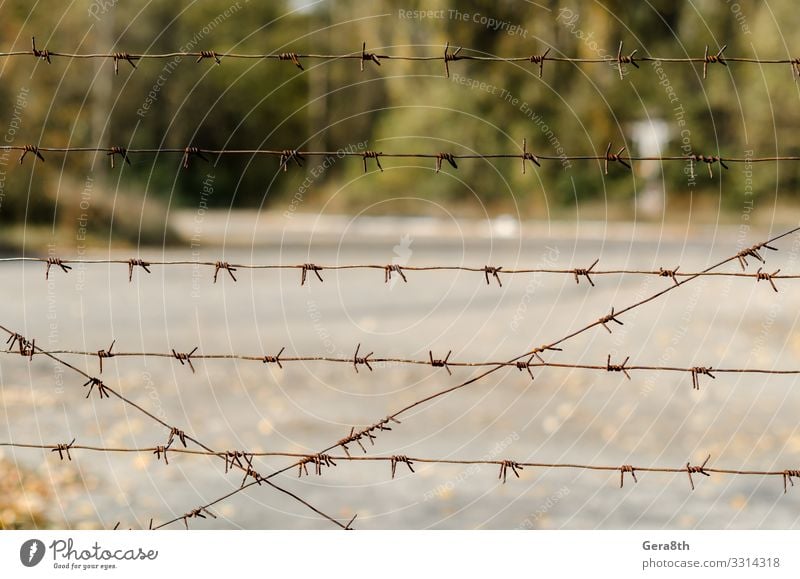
[708,160]
[753,252]
[787,477]
[30,149]
[622,470]
[713,58]
[612,317]
[670,273]
[618,367]
[227,267]
[622,59]
[199,512]
[762,275]
[105,354]
[389,269]
[274,359]
[525,365]
[161,452]
[614,158]
[539,59]
[291,57]
[585,272]
[436,363]
[364,360]
[690,470]
[176,434]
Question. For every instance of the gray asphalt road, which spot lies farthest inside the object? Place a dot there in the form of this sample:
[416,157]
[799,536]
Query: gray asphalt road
[572,416]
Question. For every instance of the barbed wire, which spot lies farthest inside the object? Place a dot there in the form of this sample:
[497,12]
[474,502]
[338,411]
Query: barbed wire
[298,157]
[369,433]
[489,272]
[94,384]
[448,56]
[322,461]
[368,360]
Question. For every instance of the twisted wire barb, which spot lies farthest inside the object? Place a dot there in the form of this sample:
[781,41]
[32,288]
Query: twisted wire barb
[369,432]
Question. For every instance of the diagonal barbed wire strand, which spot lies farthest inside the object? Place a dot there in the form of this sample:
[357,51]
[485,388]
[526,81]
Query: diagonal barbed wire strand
[30,347]
[328,460]
[369,432]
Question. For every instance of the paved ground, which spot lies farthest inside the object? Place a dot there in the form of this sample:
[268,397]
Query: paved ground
[562,416]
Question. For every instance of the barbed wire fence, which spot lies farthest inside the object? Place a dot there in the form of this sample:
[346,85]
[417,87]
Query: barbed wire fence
[360,437]
[241,460]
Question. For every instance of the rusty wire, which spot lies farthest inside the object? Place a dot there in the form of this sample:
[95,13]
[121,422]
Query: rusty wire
[494,271]
[449,55]
[359,436]
[104,391]
[321,461]
[287,156]
[368,360]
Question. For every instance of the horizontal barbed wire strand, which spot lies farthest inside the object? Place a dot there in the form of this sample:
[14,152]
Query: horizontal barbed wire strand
[328,460]
[368,433]
[388,269]
[104,390]
[449,55]
[368,359]
[296,156]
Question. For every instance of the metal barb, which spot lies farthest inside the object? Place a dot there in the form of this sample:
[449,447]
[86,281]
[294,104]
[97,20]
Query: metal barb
[494,272]
[697,371]
[51,261]
[509,464]
[387,272]
[105,354]
[528,156]
[310,267]
[614,157]
[440,363]
[622,59]
[585,273]
[372,155]
[291,57]
[30,149]
[450,57]
[226,266]
[135,262]
[209,54]
[117,56]
[199,512]
[274,359]
[618,367]
[192,151]
[176,433]
[368,56]
[400,458]
[121,151]
[364,360]
[183,357]
[762,275]
[787,476]
[63,448]
[670,273]
[445,157]
[622,470]
[161,450]
[712,58]
[290,155]
[697,470]
[539,59]
[609,318]
[42,54]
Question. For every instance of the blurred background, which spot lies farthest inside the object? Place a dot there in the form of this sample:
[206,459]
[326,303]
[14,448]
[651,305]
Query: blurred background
[563,215]
[399,107]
